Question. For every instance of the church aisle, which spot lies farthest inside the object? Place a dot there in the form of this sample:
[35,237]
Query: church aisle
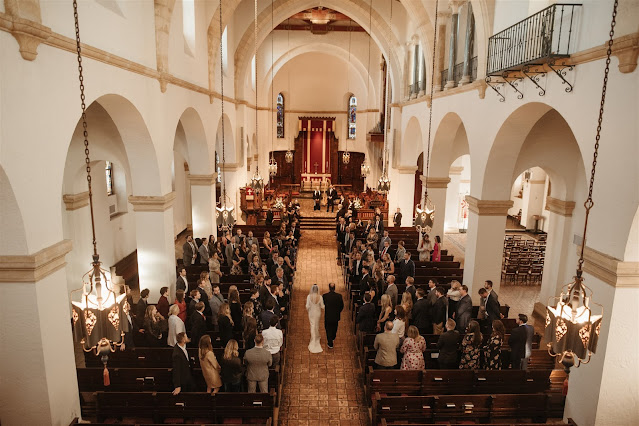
[324,388]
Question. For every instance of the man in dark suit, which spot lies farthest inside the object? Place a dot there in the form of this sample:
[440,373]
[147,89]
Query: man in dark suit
[331,195]
[410,288]
[520,343]
[269,217]
[317,196]
[356,269]
[365,282]
[269,311]
[464,310]
[420,312]
[492,306]
[333,306]
[397,218]
[140,308]
[439,311]
[181,283]
[378,225]
[198,324]
[182,378]
[406,268]
[366,316]
[189,251]
[448,345]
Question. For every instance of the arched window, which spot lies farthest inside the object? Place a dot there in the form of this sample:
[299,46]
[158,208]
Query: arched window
[109,177]
[280,115]
[352,116]
[188,26]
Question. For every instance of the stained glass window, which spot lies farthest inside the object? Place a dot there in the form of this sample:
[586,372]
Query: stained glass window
[109,177]
[280,115]
[352,116]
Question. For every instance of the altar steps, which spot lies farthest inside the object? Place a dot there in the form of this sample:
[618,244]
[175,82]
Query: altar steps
[317,223]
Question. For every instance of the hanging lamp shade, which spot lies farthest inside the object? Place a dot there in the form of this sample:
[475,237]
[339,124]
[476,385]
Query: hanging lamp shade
[572,328]
[257,183]
[365,169]
[225,216]
[383,184]
[288,156]
[425,217]
[272,167]
[346,157]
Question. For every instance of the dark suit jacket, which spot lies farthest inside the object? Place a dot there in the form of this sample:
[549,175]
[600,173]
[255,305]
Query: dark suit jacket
[412,292]
[420,313]
[464,312]
[439,311]
[397,219]
[366,318]
[317,195]
[334,305]
[379,227]
[448,344]
[140,312]
[520,336]
[180,284]
[266,316]
[406,269]
[492,308]
[204,298]
[187,253]
[198,328]
[163,307]
[182,377]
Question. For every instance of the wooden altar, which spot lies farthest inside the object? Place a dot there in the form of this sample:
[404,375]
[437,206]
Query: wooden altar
[251,205]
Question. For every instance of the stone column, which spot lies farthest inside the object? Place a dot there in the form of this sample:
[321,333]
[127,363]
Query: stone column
[37,366]
[468,49]
[156,243]
[452,46]
[451,219]
[403,190]
[606,390]
[203,204]
[231,172]
[485,243]
[440,50]
[559,243]
[437,194]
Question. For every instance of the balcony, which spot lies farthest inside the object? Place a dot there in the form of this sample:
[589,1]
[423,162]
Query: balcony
[458,72]
[540,39]
[415,88]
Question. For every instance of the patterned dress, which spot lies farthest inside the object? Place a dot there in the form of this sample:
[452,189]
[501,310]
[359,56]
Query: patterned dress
[492,353]
[471,354]
[413,350]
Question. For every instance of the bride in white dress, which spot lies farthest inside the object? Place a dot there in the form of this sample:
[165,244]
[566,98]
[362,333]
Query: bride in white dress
[314,306]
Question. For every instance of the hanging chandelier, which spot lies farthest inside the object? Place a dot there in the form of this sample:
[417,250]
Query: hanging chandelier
[384,184]
[224,214]
[346,157]
[572,327]
[257,183]
[365,169]
[289,156]
[425,211]
[99,318]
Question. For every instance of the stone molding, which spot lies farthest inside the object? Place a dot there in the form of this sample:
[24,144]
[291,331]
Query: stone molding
[610,270]
[152,203]
[436,182]
[456,170]
[203,180]
[488,207]
[625,48]
[537,182]
[29,34]
[229,167]
[76,201]
[560,207]
[31,268]
[407,170]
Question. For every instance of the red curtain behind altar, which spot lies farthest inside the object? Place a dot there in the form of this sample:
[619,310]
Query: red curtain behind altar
[316,155]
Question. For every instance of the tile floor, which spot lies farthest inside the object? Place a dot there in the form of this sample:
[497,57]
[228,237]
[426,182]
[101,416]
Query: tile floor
[324,388]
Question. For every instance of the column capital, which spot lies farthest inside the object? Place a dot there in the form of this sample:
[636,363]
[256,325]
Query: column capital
[442,15]
[610,270]
[34,267]
[455,5]
[488,207]
[203,180]
[76,201]
[436,182]
[152,203]
[560,207]
[455,170]
[407,170]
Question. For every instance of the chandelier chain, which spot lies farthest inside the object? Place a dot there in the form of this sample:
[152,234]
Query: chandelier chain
[272,76]
[348,78]
[387,112]
[430,110]
[257,145]
[85,131]
[222,96]
[588,204]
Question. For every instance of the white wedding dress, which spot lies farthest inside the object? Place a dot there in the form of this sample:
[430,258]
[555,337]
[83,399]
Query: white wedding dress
[314,309]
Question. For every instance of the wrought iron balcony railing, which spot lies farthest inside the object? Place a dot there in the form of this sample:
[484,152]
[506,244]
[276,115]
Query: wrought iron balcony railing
[458,72]
[541,38]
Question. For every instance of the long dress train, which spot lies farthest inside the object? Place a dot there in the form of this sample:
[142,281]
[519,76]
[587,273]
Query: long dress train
[314,315]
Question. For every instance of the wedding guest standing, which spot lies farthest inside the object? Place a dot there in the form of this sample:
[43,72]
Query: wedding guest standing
[471,347]
[492,351]
[448,345]
[210,367]
[232,367]
[413,349]
[176,325]
[257,361]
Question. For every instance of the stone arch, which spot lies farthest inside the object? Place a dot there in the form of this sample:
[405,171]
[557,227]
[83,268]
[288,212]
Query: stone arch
[229,141]
[412,144]
[632,245]
[13,241]
[199,156]
[450,141]
[358,10]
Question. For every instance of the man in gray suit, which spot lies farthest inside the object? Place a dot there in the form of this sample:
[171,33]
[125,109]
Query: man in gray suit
[257,361]
[386,344]
[399,254]
[383,240]
[391,290]
[189,251]
[204,251]
[464,310]
[229,251]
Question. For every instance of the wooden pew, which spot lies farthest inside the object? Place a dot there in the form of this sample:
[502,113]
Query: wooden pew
[462,408]
[441,382]
[406,408]
[389,382]
[522,406]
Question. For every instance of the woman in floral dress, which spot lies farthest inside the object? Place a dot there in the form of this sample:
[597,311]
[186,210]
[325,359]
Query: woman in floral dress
[413,349]
[492,351]
[471,347]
